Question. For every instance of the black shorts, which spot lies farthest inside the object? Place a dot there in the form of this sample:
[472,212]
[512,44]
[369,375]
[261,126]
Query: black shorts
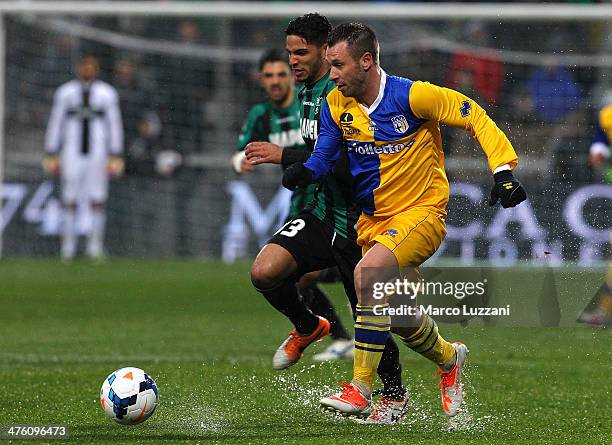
[329,275]
[315,246]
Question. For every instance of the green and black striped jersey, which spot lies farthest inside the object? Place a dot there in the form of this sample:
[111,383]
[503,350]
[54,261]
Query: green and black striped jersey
[333,198]
[280,126]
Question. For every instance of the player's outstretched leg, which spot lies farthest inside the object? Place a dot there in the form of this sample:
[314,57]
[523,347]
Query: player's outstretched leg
[272,274]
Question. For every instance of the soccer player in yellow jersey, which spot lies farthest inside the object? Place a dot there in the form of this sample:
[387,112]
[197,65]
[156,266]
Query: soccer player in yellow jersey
[389,127]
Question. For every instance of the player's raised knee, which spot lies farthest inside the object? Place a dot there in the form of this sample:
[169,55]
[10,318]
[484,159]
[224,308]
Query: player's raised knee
[272,265]
[264,274]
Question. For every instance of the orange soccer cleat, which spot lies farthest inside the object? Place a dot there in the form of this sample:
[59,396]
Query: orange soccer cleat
[451,387]
[292,349]
[349,402]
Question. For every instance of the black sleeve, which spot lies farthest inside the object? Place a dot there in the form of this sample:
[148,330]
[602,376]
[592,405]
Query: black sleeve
[292,155]
[342,174]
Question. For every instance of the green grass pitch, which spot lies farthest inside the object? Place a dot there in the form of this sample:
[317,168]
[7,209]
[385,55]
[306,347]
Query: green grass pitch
[207,338]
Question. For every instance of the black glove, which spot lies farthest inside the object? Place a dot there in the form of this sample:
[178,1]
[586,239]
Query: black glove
[507,189]
[296,175]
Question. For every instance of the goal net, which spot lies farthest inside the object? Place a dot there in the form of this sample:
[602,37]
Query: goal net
[187,76]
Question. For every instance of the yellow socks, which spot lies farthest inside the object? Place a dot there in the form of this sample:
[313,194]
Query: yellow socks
[371,334]
[428,342]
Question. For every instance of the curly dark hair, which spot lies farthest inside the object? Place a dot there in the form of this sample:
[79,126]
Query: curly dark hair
[359,38]
[314,28]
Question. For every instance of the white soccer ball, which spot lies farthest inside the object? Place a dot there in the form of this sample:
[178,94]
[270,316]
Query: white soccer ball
[129,396]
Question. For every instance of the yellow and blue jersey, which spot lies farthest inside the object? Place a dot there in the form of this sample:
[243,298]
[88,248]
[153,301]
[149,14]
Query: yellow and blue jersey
[395,146]
[603,133]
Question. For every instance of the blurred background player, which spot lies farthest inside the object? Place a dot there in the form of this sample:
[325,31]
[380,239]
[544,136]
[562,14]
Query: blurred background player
[322,235]
[84,143]
[278,121]
[390,128]
[598,312]
[599,153]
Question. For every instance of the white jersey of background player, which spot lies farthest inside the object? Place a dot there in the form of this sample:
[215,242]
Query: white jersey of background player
[84,142]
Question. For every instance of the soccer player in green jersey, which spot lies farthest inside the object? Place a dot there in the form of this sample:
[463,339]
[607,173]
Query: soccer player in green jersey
[278,121]
[321,236]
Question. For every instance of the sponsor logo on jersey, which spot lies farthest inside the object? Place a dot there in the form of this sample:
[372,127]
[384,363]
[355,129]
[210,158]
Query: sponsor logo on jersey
[465,108]
[390,232]
[400,124]
[372,126]
[309,129]
[372,149]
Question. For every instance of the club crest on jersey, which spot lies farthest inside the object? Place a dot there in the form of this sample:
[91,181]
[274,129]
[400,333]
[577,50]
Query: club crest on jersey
[400,124]
[391,233]
[465,108]
[346,119]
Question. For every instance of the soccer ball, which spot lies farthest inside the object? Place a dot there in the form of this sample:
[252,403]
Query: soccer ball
[129,396]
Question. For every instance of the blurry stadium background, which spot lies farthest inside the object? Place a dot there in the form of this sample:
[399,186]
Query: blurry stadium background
[186,75]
